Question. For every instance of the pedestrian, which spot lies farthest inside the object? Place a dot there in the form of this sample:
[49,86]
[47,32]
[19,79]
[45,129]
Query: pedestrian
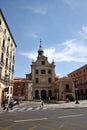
[4,104]
[11,103]
[7,107]
[42,103]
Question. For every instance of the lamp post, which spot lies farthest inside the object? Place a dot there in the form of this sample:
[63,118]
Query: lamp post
[76,90]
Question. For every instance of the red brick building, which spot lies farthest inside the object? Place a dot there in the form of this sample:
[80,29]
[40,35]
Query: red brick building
[22,89]
[81,81]
[63,88]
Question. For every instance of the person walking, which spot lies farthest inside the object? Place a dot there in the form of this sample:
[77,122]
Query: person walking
[11,104]
[42,103]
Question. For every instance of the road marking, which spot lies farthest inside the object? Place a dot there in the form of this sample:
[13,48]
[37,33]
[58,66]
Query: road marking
[35,126]
[61,126]
[37,108]
[22,109]
[70,116]
[44,108]
[30,108]
[14,109]
[38,119]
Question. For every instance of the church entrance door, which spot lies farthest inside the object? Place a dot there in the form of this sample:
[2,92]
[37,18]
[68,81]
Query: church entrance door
[43,94]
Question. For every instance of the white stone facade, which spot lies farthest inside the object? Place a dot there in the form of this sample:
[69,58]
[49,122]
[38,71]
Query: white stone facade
[7,59]
[43,77]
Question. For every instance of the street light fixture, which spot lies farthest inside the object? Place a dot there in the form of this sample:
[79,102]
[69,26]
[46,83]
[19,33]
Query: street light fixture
[76,89]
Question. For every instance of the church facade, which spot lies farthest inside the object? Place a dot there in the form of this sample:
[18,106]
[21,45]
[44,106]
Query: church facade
[42,83]
[43,77]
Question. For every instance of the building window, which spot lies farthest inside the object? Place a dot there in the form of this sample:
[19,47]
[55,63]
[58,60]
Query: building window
[7,49]
[36,71]
[80,72]
[4,30]
[9,39]
[12,68]
[0,22]
[37,80]
[43,62]
[10,54]
[49,71]
[80,81]
[3,44]
[11,90]
[49,80]
[84,70]
[13,59]
[67,88]
[6,61]
[43,72]
[0,72]
[2,57]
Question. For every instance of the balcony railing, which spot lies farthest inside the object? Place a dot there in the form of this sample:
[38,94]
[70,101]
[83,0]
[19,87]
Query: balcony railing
[7,54]
[1,63]
[3,48]
[6,81]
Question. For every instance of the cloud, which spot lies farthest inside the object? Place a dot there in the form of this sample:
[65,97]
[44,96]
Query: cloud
[71,3]
[74,50]
[83,32]
[36,10]
[33,35]
[31,55]
[74,4]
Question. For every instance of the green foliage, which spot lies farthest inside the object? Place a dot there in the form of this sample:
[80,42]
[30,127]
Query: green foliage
[71,97]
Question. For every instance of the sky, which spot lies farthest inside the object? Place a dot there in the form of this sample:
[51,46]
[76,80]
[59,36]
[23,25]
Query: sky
[60,24]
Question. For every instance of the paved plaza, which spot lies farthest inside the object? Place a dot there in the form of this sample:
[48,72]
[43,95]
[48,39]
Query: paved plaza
[60,105]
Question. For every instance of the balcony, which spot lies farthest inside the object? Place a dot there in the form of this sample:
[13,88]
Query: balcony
[10,69]
[3,49]
[6,67]
[1,63]
[6,80]
[7,54]
[2,78]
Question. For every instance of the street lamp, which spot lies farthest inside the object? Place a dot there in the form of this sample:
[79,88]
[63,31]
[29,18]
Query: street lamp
[76,90]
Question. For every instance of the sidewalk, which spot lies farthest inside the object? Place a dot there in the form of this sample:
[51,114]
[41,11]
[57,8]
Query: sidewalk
[82,104]
[61,104]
